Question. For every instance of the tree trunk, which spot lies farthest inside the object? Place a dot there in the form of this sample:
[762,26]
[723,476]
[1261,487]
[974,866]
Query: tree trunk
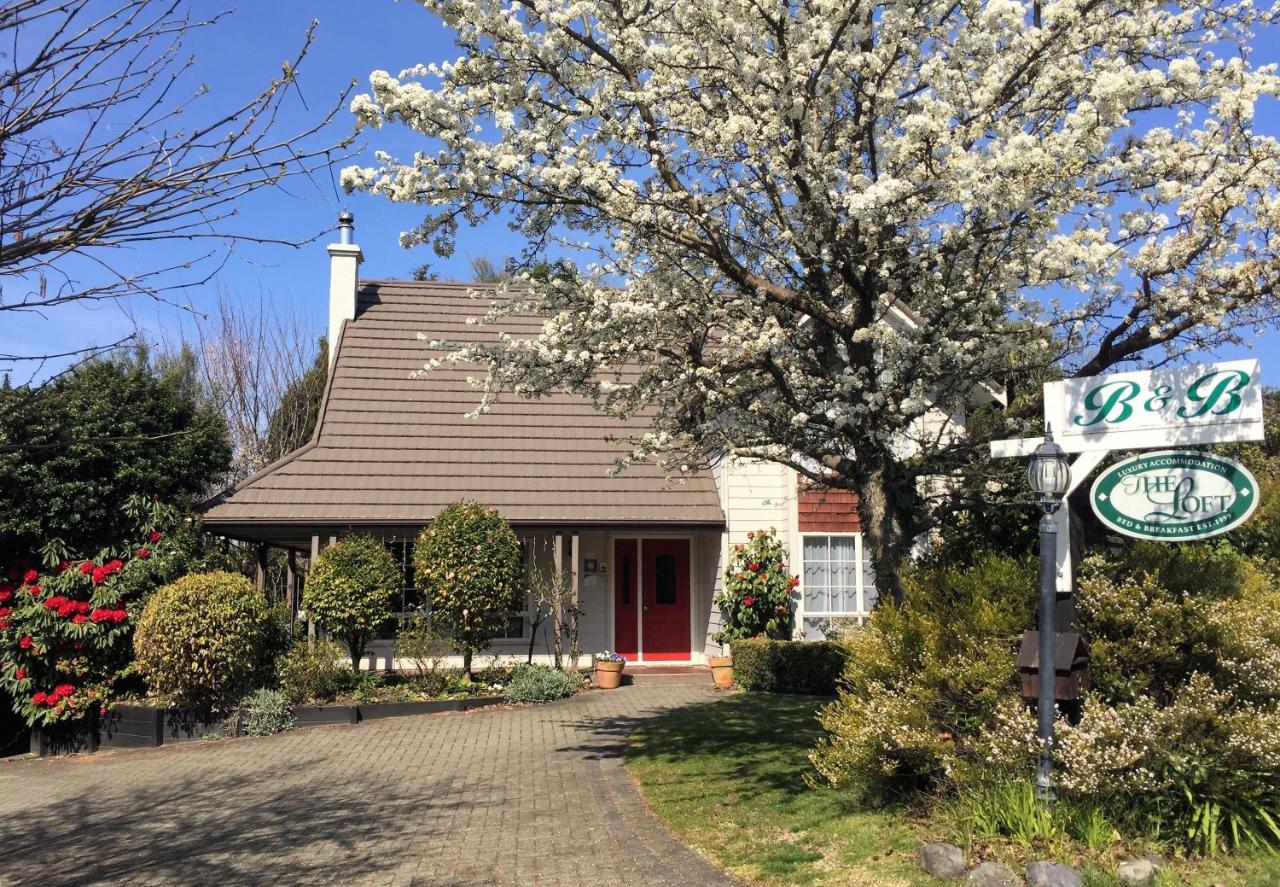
[882,532]
[466,663]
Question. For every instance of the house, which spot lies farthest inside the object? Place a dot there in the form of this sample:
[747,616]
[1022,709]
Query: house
[647,554]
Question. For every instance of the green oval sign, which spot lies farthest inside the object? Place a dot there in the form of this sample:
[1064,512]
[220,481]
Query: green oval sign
[1174,495]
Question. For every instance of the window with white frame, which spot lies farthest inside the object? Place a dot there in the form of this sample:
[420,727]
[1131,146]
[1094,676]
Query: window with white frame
[520,620]
[836,585]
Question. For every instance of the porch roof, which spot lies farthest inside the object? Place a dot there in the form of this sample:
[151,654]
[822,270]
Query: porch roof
[391,450]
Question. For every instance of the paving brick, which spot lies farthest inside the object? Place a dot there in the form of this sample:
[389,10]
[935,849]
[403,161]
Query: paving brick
[522,796]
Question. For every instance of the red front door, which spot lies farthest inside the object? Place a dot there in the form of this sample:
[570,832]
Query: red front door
[651,599]
[665,599]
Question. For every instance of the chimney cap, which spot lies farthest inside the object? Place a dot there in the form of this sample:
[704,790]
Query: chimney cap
[345,217]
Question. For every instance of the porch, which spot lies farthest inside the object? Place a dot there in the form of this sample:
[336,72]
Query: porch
[644,591]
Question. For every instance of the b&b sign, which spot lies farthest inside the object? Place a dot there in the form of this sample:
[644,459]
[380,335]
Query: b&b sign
[1202,403]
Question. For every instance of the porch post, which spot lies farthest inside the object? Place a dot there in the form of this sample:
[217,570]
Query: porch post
[291,586]
[573,567]
[557,618]
[260,569]
[315,553]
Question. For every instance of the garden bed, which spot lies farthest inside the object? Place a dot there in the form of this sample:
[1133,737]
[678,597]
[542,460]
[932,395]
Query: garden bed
[149,726]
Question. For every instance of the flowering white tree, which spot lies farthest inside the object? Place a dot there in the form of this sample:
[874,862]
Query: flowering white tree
[816,227]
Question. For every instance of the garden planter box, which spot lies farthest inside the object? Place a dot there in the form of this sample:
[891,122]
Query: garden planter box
[317,715]
[375,711]
[185,725]
[132,726]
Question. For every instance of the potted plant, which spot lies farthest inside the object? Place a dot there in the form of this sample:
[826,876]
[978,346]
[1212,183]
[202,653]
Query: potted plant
[757,598]
[609,670]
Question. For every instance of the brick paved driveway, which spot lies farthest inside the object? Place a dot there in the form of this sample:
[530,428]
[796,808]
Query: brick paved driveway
[522,796]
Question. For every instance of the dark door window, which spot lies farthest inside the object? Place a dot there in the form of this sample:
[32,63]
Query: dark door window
[664,568]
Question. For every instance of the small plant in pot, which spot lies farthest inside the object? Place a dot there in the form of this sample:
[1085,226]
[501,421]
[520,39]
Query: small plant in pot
[609,670]
[757,598]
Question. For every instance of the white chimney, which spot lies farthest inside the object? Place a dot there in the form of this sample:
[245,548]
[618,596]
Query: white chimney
[344,263]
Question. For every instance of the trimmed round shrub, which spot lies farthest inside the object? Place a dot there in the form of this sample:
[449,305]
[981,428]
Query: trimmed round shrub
[203,639]
[266,712]
[540,683]
[468,562]
[788,666]
[351,590]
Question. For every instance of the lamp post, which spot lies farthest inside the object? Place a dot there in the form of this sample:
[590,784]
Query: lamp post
[1049,476]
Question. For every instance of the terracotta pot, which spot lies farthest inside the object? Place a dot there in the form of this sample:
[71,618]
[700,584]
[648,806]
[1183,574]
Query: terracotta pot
[721,671]
[609,675]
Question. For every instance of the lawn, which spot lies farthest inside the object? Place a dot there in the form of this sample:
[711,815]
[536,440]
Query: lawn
[729,780]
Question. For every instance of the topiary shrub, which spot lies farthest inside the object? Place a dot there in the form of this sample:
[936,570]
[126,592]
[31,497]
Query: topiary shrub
[757,591]
[351,589]
[788,666]
[468,562]
[203,639]
[540,683]
[312,671]
[265,712]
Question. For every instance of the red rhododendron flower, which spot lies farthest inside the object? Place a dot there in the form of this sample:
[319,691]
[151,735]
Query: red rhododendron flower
[86,568]
[100,615]
[749,601]
[156,536]
[63,566]
[142,553]
[30,576]
[4,611]
[751,535]
[34,590]
[40,697]
[20,674]
[795,581]
[4,623]
[100,575]
[25,642]
[64,689]
[114,565]
[78,619]
[5,594]
[754,567]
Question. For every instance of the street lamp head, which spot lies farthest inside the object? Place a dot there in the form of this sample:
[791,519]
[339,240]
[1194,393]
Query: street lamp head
[1049,473]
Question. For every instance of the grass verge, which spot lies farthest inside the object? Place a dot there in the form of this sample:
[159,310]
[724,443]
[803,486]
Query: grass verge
[728,779]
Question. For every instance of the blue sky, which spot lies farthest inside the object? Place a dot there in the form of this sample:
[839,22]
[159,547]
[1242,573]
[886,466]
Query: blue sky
[353,38]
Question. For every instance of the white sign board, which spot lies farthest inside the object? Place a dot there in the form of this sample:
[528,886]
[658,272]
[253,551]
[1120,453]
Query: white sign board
[1178,406]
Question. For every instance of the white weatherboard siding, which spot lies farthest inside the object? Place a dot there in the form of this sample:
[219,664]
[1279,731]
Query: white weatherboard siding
[757,496]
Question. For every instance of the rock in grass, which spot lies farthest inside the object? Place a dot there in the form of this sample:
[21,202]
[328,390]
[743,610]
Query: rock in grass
[1137,872]
[994,874]
[942,860]
[1053,874]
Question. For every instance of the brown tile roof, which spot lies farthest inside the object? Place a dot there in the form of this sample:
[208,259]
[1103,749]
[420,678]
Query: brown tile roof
[390,449]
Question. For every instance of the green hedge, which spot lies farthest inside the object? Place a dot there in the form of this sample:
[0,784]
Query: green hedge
[788,666]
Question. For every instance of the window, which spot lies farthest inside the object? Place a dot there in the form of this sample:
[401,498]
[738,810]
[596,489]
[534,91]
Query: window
[835,582]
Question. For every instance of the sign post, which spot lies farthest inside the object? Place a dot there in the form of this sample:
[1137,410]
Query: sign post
[1167,495]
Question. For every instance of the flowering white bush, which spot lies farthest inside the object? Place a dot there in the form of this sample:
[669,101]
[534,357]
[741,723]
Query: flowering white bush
[814,229]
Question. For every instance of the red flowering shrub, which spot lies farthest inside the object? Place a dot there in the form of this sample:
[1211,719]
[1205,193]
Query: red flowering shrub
[757,596]
[65,629]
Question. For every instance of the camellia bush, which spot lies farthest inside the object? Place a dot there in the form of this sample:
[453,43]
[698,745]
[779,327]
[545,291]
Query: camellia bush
[468,561]
[757,596]
[351,590]
[66,622]
[203,639]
